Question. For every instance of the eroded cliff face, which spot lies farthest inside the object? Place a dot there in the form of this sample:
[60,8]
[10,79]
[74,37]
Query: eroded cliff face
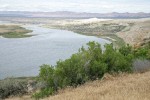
[138,34]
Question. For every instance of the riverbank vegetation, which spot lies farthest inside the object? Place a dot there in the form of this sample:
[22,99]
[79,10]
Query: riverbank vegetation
[88,64]
[14,31]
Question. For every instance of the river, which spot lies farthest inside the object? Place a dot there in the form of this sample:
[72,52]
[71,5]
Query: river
[22,56]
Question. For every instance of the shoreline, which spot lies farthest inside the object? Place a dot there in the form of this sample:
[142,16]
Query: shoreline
[117,41]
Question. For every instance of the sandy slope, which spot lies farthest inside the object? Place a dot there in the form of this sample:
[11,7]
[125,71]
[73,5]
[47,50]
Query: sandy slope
[123,87]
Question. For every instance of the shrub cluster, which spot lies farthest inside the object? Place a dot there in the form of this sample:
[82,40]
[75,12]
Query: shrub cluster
[12,87]
[88,64]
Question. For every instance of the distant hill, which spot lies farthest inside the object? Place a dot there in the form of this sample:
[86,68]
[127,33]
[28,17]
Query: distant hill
[66,14]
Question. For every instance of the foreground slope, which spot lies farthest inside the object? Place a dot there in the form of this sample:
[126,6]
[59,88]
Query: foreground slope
[122,87]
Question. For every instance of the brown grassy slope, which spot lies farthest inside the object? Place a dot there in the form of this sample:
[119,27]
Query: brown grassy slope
[122,87]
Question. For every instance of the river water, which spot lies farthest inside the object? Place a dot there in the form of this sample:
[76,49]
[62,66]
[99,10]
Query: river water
[23,56]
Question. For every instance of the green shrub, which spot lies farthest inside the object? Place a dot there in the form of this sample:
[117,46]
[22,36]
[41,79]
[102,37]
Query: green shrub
[126,50]
[95,66]
[88,64]
[148,54]
[43,93]
[97,70]
[47,75]
[70,70]
[141,53]
[118,61]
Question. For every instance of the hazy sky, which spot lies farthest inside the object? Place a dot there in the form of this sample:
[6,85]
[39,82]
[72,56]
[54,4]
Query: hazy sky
[100,6]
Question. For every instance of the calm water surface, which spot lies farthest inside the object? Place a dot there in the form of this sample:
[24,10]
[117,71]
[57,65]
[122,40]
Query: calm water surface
[23,56]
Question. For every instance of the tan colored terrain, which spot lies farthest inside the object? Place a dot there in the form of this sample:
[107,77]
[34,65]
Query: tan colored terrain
[122,87]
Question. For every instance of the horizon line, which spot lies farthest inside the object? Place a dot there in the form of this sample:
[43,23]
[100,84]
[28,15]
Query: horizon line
[68,11]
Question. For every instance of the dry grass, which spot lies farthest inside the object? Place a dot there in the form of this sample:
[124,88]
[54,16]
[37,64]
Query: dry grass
[122,87]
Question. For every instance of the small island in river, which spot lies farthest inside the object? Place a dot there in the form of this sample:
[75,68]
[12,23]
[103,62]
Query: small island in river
[14,31]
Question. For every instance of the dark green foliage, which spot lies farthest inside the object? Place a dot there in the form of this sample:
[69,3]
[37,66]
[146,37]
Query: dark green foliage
[47,75]
[126,50]
[88,64]
[118,61]
[69,72]
[43,93]
[97,69]
[95,66]
[148,54]
[142,52]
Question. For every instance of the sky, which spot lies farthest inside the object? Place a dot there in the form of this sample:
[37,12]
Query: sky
[94,6]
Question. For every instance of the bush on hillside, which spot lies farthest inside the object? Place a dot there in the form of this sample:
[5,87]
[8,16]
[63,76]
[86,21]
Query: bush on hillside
[87,64]
[117,61]
[142,52]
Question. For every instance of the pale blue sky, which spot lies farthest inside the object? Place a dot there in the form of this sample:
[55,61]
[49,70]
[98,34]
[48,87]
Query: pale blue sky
[95,6]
